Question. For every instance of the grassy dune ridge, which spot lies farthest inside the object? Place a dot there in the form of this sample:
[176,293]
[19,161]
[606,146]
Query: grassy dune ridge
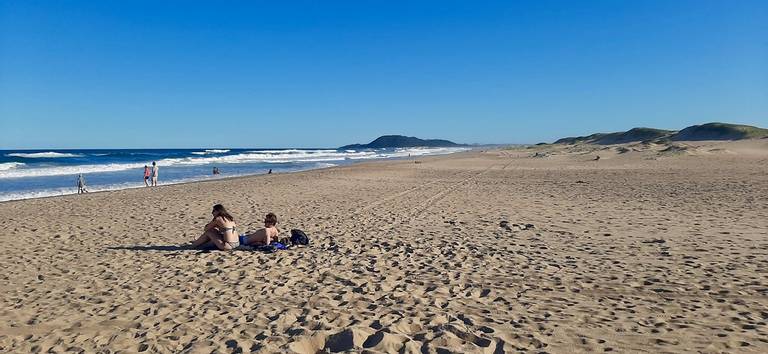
[708,131]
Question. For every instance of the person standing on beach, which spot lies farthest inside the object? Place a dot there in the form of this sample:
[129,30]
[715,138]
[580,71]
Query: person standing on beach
[155,171]
[146,175]
[81,184]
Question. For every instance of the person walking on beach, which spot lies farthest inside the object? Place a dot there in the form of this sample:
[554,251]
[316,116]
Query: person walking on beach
[155,171]
[220,232]
[146,175]
[81,184]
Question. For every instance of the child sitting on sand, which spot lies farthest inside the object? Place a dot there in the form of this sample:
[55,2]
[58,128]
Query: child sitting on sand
[263,236]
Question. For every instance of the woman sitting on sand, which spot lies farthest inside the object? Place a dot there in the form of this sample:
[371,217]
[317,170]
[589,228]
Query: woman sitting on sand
[220,231]
[263,236]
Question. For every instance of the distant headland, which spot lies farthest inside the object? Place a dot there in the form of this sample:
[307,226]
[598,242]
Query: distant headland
[400,141]
[708,131]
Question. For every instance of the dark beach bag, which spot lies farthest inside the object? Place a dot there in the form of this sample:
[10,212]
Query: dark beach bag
[298,237]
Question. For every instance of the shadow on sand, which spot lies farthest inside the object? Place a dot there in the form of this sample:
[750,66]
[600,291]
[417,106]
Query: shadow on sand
[169,248]
[205,249]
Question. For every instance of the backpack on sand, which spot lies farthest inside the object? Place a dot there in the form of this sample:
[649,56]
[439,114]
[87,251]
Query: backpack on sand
[298,237]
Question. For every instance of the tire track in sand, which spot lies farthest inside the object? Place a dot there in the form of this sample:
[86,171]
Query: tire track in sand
[424,192]
[407,192]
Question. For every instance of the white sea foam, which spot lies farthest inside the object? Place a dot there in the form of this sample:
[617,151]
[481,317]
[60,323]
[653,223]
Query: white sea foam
[325,165]
[10,165]
[265,156]
[52,192]
[40,155]
[211,152]
[35,194]
[270,156]
[294,151]
[66,170]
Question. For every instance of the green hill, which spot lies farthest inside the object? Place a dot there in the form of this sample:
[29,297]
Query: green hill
[399,141]
[720,131]
[709,131]
[580,139]
[632,135]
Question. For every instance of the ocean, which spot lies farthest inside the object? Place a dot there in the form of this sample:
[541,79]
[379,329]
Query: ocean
[28,174]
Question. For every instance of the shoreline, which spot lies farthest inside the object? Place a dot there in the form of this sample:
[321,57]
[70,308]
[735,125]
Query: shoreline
[227,177]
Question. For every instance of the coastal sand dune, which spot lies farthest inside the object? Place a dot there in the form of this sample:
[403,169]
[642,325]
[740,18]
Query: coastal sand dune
[648,249]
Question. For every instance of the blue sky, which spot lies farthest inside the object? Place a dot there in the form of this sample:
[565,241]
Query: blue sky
[321,74]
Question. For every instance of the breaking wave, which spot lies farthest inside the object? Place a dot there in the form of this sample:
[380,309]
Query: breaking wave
[42,155]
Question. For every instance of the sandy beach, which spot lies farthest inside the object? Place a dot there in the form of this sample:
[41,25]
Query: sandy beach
[651,248]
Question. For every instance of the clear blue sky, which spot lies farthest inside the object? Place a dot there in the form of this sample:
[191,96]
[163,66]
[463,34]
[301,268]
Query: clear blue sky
[132,74]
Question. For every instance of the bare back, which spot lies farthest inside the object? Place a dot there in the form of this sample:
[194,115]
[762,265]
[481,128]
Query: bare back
[263,236]
[227,228]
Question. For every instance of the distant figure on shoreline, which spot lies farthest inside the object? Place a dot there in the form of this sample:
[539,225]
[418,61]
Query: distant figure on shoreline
[81,184]
[269,172]
[146,175]
[155,172]
[216,171]
[597,158]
